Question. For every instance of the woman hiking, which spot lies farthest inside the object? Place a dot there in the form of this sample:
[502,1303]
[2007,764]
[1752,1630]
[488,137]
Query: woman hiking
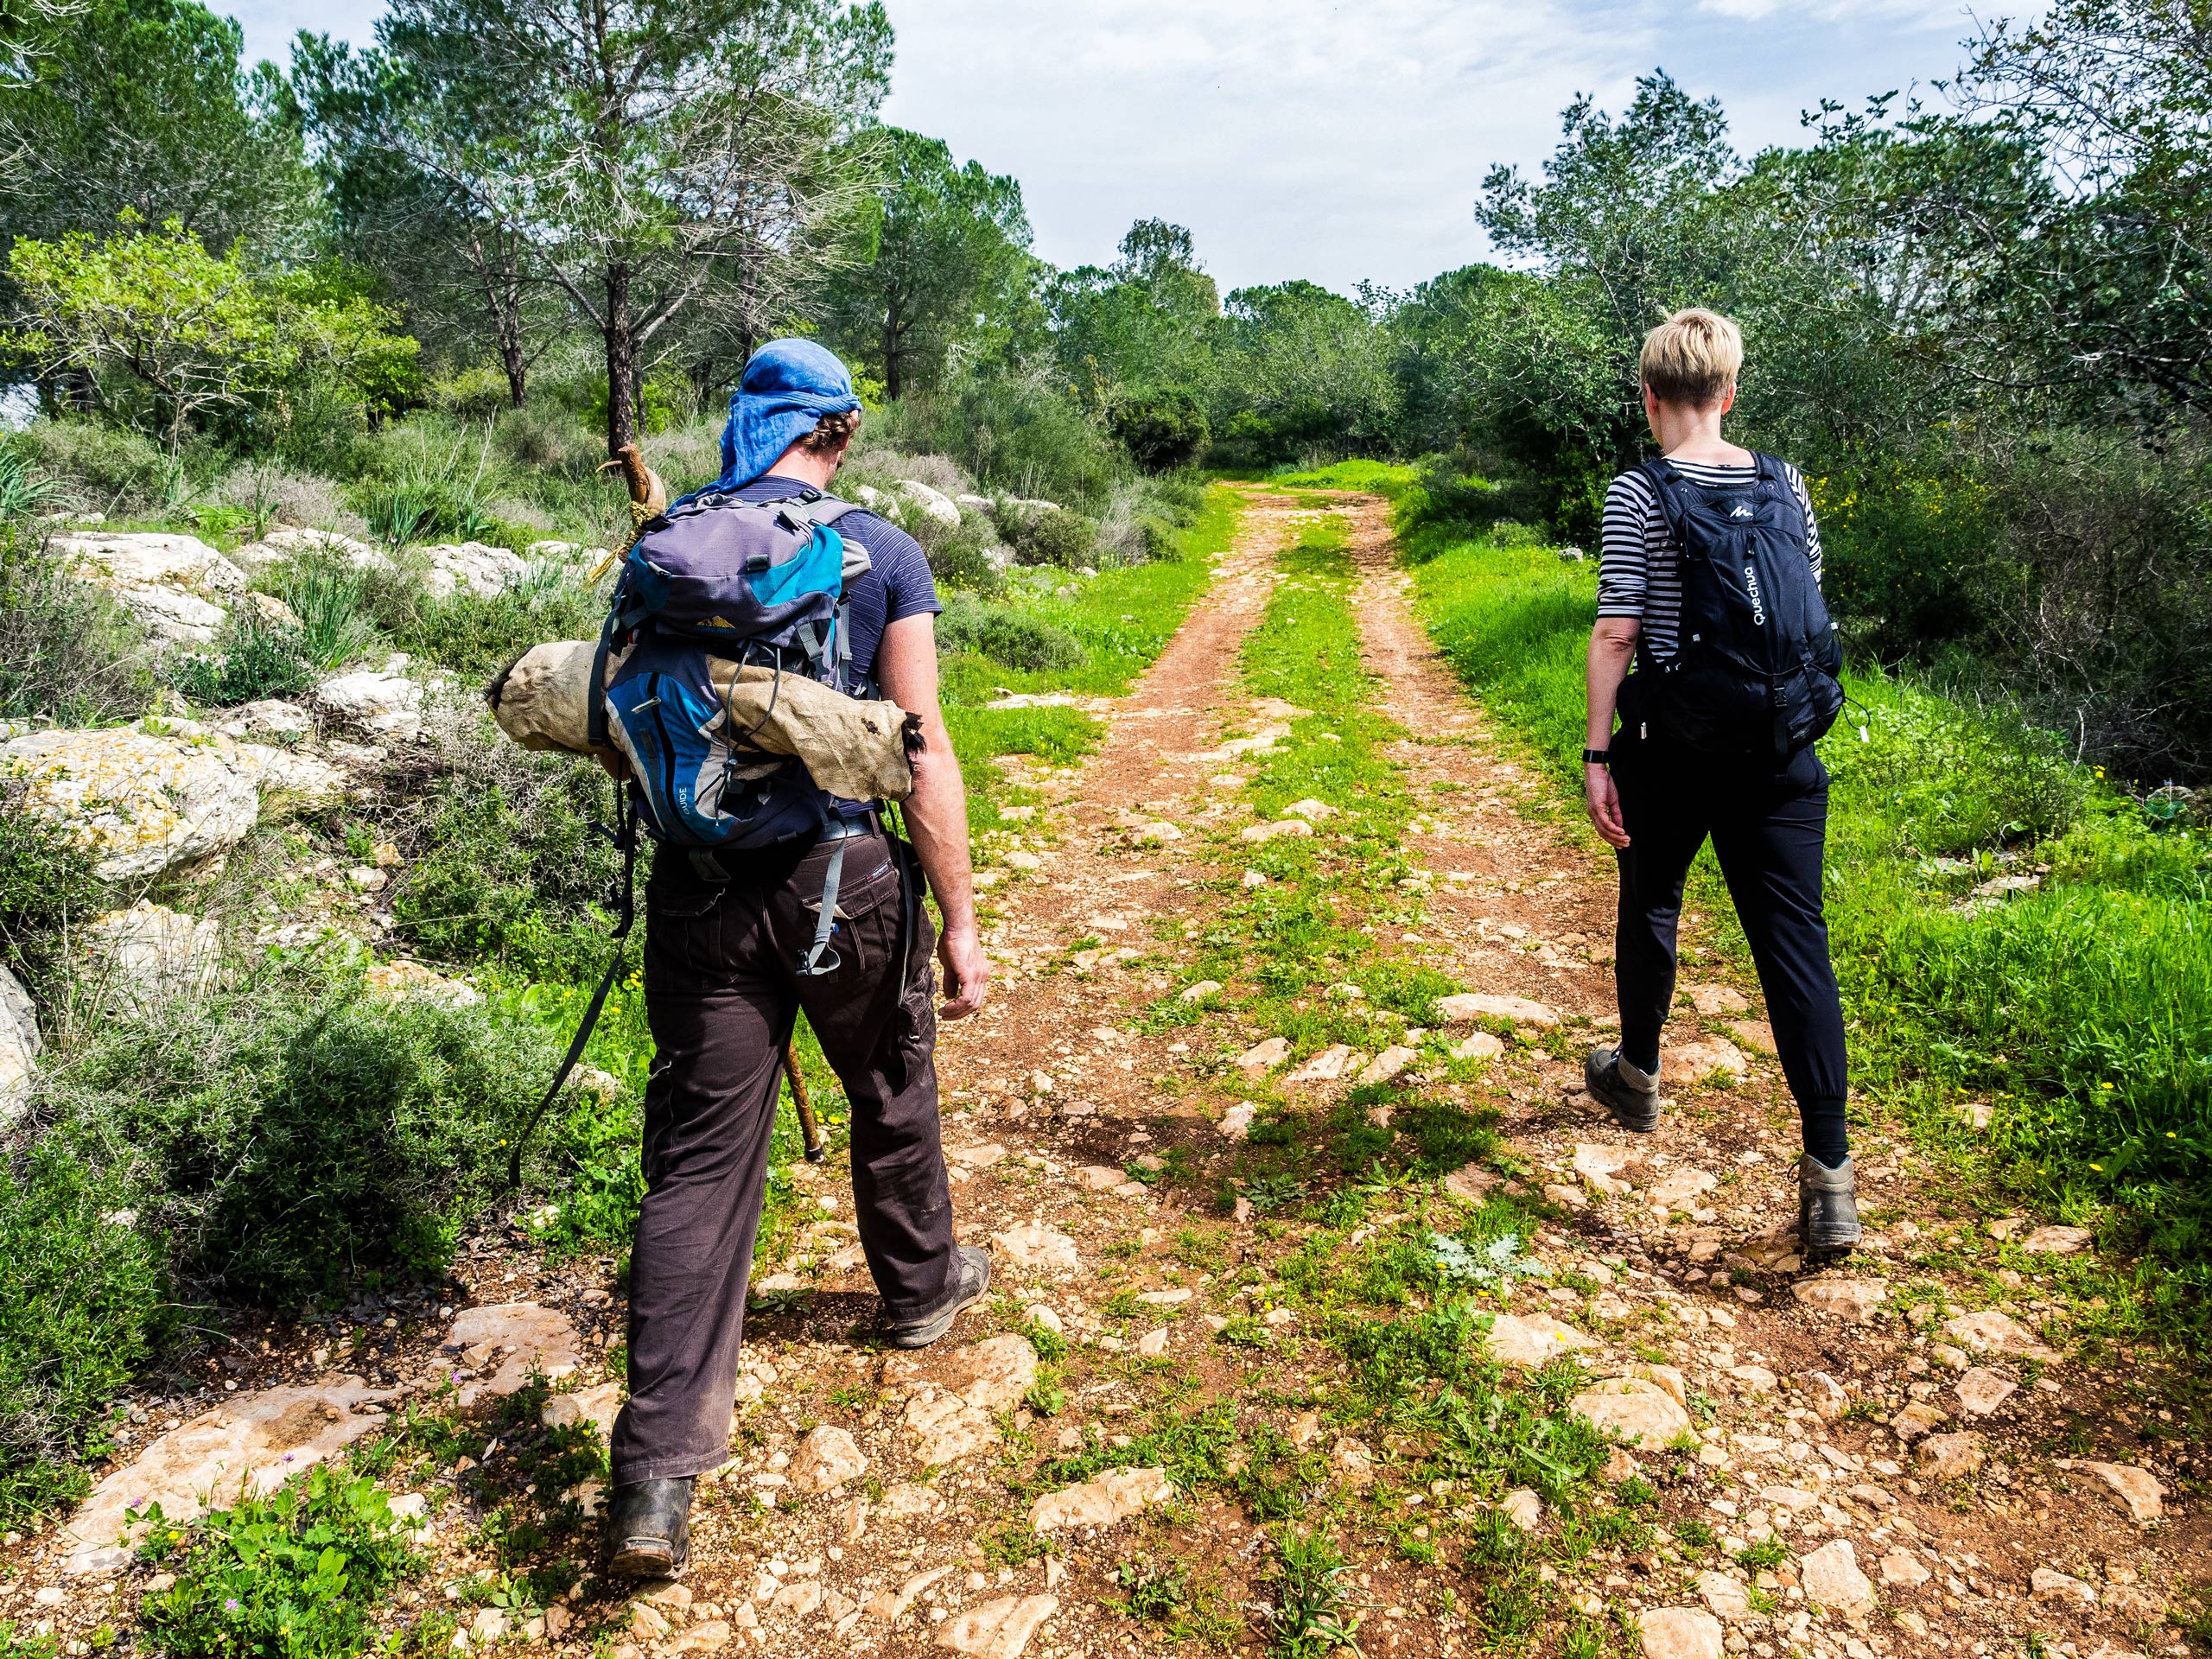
[1709,583]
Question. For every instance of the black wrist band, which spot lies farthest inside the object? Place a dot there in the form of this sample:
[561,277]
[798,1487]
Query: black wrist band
[1595,757]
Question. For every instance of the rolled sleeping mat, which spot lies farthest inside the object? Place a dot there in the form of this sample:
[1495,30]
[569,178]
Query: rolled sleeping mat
[859,749]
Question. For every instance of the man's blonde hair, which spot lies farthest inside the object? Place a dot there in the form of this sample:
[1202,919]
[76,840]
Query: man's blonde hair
[1692,358]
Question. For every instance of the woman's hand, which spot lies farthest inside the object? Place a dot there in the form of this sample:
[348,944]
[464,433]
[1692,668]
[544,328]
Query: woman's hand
[1603,798]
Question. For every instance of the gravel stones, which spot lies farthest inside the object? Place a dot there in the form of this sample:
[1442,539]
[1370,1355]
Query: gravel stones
[952,1416]
[1111,1497]
[1679,1633]
[1725,1598]
[2048,1584]
[1640,1412]
[1695,1061]
[476,567]
[253,1441]
[1827,1396]
[1532,1340]
[1264,1056]
[997,1630]
[2058,1241]
[1854,1299]
[1467,1007]
[519,1338]
[597,1406]
[1832,1580]
[1901,1568]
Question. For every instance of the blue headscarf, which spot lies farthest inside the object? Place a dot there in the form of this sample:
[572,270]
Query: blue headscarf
[788,386]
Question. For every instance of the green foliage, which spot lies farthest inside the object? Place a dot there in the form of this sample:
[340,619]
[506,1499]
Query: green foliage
[330,599]
[81,1297]
[1052,536]
[1162,428]
[299,1574]
[1013,637]
[166,335]
[46,879]
[255,658]
[946,267]
[292,1129]
[1310,1613]
[503,863]
[68,653]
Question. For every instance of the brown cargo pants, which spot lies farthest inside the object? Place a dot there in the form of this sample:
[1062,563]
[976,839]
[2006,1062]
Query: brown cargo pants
[721,996]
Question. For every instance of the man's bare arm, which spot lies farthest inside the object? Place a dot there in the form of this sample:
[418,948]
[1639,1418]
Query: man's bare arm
[937,813]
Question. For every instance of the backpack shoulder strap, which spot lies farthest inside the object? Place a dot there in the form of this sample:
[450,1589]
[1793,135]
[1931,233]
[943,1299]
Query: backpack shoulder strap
[1660,473]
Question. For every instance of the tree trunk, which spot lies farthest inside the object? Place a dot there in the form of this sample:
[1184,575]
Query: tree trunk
[622,363]
[511,359]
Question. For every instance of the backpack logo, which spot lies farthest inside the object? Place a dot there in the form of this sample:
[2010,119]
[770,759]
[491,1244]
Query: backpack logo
[1758,605]
[1740,511]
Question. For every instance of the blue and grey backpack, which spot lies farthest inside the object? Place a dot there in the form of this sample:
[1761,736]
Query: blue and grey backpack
[744,583]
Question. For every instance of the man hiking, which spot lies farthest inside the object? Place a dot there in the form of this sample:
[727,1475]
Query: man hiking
[1709,580]
[735,950]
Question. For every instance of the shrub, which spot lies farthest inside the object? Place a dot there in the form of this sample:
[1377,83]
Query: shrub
[298,1573]
[79,1298]
[1024,434]
[45,880]
[478,637]
[1052,536]
[1008,636]
[108,468]
[1162,428]
[257,660]
[544,437]
[290,1130]
[68,653]
[503,863]
[332,601]
[963,559]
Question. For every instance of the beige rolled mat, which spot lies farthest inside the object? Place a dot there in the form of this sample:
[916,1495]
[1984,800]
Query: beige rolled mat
[854,748]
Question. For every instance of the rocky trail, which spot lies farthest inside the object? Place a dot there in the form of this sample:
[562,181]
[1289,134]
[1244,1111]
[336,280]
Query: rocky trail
[1124,1451]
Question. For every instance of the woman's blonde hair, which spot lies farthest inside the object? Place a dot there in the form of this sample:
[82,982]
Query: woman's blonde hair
[1692,358]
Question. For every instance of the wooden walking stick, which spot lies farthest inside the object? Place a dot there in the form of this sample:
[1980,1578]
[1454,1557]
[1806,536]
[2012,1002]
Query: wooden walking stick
[817,1148]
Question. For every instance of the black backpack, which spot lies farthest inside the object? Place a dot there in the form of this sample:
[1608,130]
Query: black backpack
[1755,675]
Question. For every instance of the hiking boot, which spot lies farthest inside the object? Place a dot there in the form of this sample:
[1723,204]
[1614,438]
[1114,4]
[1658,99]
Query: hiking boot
[1634,1105]
[649,1529]
[923,1329]
[1827,1206]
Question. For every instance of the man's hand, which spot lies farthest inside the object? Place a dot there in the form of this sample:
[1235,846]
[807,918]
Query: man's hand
[1603,798]
[967,972]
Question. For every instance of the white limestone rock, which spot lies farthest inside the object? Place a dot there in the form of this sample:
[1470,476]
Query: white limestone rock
[148,957]
[384,705]
[474,567]
[20,1044]
[139,802]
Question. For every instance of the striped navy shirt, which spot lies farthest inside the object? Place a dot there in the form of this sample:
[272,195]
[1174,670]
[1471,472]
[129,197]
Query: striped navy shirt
[1639,559]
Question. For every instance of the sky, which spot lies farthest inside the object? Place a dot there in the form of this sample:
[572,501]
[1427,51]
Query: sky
[1333,142]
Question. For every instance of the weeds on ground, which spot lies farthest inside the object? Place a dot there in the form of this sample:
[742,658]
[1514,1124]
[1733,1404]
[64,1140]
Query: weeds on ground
[1311,1611]
[306,1571]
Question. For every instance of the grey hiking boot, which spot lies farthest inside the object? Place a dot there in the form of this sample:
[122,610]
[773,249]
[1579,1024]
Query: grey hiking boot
[1630,1096]
[649,1529]
[924,1329]
[1827,1206]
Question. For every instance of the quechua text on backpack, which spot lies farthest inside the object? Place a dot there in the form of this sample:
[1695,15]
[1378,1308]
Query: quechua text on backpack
[1756,672]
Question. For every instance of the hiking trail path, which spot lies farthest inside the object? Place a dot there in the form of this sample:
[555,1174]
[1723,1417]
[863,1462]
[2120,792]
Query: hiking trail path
[1910,1465]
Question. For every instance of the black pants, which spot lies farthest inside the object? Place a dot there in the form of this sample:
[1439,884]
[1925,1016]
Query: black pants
[721,998]
[1769,832]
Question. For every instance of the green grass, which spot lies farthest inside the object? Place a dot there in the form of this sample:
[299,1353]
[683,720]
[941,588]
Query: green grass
[2082,1009]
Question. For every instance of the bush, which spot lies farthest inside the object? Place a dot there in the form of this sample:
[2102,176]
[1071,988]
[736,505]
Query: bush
[81,1296]
[257,660]
[1054,537]
[105,469]
[298,1575]
[1162,429]
[68,653]
[1006,635]
[962,558]
[478,637]
[331,599]
[502,861]
[290,1130]
[1023,433]
[46,879]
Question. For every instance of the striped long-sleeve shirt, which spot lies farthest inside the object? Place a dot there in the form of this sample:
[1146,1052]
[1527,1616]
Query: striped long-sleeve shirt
[1639,559]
